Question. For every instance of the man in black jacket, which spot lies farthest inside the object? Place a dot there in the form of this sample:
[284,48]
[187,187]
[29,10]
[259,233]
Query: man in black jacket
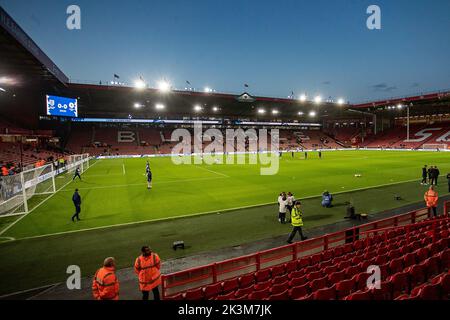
[424,175]
[436,175]
[76,198]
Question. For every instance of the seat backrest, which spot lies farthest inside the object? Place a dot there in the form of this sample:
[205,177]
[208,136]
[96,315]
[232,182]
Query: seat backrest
[299,291]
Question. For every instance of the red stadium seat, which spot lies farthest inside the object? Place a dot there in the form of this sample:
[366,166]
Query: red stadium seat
[360,295]
[336,277]
[314,275]
[196,294]
[417,275]
[299,291]
[178,296]
[383,293]
[318,284]
[381,259]
[327,255]
[280,279]
[351,271]
[244,297]
[277,271]
[396,265]
[421,254]
[344,288]
[394,254]
[316,258]
[409,259]
[356,260]
[246,280]
[262,285]
[432,266]
[325,294]
[360,280]
[259,295]
[280,296]
[290,266]
[344,265]
[339,251]
[330,270]
[262,275]
[228,296]
[279,288]
[400,284]
[212,290]
[298,281]
[297,274]
[430,292]
[230,285]
[303,262]
[243,292]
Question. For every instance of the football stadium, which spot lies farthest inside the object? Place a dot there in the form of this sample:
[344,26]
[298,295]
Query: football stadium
[198,193]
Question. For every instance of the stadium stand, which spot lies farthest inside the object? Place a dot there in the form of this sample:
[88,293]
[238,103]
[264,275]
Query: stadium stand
[414,262]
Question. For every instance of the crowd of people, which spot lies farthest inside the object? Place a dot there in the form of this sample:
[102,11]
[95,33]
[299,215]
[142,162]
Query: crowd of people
[430,175]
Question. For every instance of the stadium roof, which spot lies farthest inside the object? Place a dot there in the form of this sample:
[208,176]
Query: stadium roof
[22,62]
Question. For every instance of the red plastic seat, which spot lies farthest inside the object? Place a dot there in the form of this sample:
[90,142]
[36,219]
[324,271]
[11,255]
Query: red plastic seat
[303,262]
[228,296]
[381,259]
[344,288]
[430,292]
[196,294]
[400,284]
[262,285]
[246,280]
[327,255]
[360,295]
[432,266]
[316,258]
[299,291]
[243,292]
[314,275]
[444,282]
[360,280]
[382,251]
[444,257]
[276,289]
[394,254]
[318,284]
[291,266]
[417,275]
[325,294]
[336,276]
[344,265]
[277,271]
[280,279]
[259,295]
[296,274]
[351,271]
[295,282]
[330,270]
[325,264]
[338,251]
[230,285]
[383,293]
[262,275]
[409,259]
[348,248]
[396,265]
[280,296]
[244,297]
[212,290]
[421,254]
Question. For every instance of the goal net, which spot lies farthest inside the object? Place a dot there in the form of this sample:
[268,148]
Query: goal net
[434,146]
[21,193]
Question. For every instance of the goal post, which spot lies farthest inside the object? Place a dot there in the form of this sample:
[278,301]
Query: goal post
[435,146]
[21,193]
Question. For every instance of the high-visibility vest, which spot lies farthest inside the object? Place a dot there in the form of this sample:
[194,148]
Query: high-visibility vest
[148,271]
[105,285]
[431,198]
[296,217]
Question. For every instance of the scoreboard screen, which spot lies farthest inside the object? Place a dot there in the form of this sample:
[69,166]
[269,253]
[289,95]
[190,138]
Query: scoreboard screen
[62,106]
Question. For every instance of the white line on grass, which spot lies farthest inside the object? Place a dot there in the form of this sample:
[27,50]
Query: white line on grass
[215,172]
[202,213]
[45,200]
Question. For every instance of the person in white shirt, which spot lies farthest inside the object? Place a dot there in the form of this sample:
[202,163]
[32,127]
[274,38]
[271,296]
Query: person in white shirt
[290,204]
[282,203]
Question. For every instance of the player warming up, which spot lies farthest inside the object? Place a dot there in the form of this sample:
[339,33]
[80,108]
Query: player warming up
[76,174]
[149,178]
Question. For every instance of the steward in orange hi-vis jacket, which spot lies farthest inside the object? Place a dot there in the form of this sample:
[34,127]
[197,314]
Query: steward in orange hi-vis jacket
[147,267]
[105,285]
[431,198]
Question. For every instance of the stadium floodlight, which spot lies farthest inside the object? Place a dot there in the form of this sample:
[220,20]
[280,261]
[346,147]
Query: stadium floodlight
[164,86]
[303,98]
[137,105]
[317,99]
[197,108]
[139,84]
[312,114]
[160,106]
[300,113]
[340,101]
[208,90]
[261,111]
[215,109]
[399,106]
[274,111]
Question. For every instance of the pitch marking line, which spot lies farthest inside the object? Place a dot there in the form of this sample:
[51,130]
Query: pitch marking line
[212,171]
[45,200]
[202,213]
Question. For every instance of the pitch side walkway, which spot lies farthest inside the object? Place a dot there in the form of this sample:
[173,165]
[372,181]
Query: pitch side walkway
[128,282]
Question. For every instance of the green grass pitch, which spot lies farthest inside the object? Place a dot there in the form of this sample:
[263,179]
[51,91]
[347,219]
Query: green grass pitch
[114,193]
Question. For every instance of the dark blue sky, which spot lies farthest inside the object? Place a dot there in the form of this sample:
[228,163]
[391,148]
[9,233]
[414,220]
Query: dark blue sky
[317,47]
